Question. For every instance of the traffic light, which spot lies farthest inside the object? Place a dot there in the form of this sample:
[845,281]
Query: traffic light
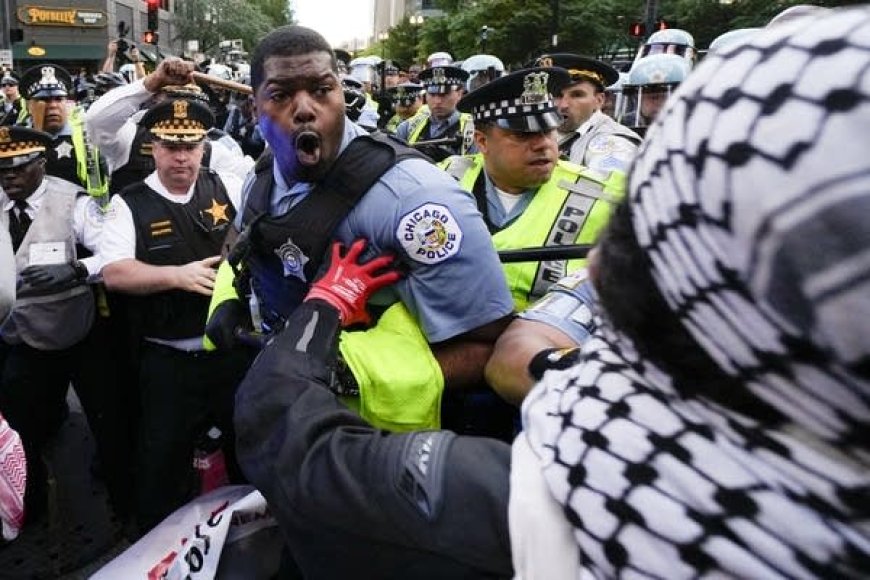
[153,7]
[150,37]
[636,30]
[662,25]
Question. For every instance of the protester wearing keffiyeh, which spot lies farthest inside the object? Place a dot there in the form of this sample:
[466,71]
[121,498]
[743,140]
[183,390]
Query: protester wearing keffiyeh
[749,203]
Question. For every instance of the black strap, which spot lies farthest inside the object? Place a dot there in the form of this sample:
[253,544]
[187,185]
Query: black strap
[565,146]
[315,218]
[479,192]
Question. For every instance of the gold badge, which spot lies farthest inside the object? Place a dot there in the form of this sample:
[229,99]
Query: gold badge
[217,211]
[545,61]
[4,135]
[179,109]
[535,88]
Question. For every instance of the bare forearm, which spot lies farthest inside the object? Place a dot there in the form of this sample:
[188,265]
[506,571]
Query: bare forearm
[462,363]
[507,371]
[135,277]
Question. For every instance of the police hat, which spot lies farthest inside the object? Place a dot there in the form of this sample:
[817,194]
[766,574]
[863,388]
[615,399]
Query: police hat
[581,68]
[179,121]
[521,101]
[441,79]
[21,145]
[8,78]
[405,93]
[188,91]
[46,80]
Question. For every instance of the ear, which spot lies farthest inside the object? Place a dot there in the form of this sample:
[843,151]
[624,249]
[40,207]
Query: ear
[599,100]
[480,141]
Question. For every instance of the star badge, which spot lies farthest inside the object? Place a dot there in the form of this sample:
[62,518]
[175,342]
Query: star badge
[217,211]
[64,150]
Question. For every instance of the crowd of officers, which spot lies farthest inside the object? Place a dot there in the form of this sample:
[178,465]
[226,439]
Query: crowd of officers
[159,241]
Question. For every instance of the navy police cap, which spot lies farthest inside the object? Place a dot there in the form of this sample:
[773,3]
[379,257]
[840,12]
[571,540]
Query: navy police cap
[45,81]
[179,121]
[581,68]
[21,145]
[520,101]
[405,93]
[441,79]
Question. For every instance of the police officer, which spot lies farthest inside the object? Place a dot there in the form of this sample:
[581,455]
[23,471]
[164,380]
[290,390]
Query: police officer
[43,340]
[587,136]
[72,156]
[441,123]
[425,340]
[650,83]
[14,106]
[527,195]
[161,244]
[407,100]
[113,124]
[529,198]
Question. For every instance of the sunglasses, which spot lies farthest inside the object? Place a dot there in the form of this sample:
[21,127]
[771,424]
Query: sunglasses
[8,84]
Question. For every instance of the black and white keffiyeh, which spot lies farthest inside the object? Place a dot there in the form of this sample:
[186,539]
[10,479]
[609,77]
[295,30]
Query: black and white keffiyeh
[751,196]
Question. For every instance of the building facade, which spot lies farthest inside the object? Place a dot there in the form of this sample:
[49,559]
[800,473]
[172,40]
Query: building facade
[389,13]
[74,34]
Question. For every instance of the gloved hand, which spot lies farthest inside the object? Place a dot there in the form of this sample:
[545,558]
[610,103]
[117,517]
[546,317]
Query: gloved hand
[347,285]
[225,321]
[54,276]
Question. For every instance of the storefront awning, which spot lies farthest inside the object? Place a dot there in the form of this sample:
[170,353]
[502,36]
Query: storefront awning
[60,52]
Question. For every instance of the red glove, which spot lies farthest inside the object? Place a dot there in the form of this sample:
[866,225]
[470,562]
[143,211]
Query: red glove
[347,285]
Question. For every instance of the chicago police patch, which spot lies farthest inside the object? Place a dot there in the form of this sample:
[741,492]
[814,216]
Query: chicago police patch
[429,234]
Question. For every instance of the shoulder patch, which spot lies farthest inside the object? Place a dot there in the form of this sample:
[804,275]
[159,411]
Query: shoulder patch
[429,234]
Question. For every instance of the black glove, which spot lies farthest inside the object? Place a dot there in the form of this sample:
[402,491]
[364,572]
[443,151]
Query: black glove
[54,276]
[227,319]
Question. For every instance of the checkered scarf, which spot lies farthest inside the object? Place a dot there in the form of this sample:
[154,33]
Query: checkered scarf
[751,197]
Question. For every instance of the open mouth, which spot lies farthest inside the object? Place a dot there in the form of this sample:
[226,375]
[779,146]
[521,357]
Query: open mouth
[308,148]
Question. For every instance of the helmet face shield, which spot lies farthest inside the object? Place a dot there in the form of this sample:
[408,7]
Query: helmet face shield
[641,105]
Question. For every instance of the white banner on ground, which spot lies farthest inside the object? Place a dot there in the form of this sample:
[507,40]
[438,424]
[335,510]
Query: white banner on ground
[189,543]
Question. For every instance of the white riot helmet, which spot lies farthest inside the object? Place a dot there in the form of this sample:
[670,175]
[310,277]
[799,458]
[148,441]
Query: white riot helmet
[669,41]
[481,69]
[439,59]
[128,71]
[730,38]
[650,83]
[364,69]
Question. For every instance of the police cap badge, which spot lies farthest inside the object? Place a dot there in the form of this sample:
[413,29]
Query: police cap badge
[521,101]
[179,121]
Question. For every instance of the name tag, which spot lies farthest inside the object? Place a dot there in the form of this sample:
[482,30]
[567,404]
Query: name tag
[47,253]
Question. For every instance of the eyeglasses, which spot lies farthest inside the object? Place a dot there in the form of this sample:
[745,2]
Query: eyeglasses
[8,84]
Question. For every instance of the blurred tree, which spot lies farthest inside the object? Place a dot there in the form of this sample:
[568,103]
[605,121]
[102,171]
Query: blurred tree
[210,21]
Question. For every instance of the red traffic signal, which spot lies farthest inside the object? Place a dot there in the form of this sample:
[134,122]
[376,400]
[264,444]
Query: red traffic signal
[153,14]
[150,37]
[661,25]
[636,30]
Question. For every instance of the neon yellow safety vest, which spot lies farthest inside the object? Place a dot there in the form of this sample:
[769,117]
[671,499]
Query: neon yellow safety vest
[97,185]
[571,208]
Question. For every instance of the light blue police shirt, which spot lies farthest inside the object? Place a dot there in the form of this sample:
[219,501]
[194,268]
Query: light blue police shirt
[455,282]
[567,306]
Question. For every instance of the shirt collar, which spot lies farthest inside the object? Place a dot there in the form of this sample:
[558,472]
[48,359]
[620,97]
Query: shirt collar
[33,200]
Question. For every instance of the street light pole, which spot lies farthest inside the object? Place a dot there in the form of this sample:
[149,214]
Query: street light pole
[484,36]
[416,21]
[383,36]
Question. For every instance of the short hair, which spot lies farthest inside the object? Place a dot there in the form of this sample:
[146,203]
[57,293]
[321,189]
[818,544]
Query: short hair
[635,307]
[288,40]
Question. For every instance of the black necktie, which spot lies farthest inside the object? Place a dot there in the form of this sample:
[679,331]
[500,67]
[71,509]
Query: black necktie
[19,223]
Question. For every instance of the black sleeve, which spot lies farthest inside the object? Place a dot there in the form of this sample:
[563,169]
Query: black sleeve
[406,498]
